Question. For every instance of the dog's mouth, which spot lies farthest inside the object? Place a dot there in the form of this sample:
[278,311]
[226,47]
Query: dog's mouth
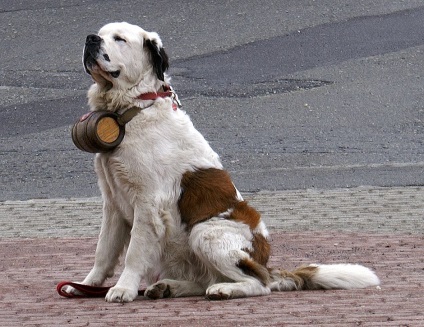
[90,68]
[115,74]
[91,65]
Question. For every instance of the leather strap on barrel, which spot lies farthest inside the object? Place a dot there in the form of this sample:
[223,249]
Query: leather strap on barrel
[128,115]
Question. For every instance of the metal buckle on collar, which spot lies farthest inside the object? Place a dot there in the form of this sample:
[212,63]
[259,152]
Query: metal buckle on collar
[174,97]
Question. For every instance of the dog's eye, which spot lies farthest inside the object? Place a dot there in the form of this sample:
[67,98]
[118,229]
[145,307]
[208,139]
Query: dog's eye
[117,38]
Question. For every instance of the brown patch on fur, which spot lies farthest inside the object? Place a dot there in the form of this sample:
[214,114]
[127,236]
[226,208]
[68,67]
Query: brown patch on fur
[306,273]
[261,249]
[302,277]
[254,269]
[281,274]
[246,214]
[205,193]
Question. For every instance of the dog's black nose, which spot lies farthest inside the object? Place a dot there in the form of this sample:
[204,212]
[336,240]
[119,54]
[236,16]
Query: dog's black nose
[93,39]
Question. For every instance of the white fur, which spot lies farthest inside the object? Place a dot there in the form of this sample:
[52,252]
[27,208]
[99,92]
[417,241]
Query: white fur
[140,185]
[344,276]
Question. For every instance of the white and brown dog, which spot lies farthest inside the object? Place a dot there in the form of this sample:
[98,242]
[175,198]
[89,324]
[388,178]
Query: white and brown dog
[167,199]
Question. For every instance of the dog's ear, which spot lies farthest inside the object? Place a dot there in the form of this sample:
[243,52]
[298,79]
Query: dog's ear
[159,58]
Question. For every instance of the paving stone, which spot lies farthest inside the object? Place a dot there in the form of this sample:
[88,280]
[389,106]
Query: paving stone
[31,268]
[45,241]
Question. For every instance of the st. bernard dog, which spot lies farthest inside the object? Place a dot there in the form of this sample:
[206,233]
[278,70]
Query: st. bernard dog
[167,199]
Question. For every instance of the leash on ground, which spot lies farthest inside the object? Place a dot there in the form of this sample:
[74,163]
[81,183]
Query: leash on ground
[85,290]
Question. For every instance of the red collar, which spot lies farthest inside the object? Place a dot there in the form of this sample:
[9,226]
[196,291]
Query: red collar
[168,91]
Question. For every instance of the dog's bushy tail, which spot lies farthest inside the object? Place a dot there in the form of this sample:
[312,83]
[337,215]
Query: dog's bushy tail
[314,277]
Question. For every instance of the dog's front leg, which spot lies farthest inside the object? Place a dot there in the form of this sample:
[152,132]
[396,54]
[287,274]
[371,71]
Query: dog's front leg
[144,252]
[113,236]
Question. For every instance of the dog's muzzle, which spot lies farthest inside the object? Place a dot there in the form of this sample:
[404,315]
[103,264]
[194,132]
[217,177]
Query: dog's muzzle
[91,51]
[91,55]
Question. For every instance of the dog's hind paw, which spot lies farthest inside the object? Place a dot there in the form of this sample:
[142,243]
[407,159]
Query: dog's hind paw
[158,291]
[224,291]
[119,294]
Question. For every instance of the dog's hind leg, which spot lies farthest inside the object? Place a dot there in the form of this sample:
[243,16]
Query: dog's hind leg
[248,277]
[226,291]
[224,247]
[173,288]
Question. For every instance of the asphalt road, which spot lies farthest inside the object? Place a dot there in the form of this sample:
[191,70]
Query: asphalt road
[292,94]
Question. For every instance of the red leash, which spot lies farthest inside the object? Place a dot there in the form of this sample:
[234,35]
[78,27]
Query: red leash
[85,290]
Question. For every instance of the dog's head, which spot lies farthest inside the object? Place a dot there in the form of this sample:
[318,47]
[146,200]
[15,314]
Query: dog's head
[122,55]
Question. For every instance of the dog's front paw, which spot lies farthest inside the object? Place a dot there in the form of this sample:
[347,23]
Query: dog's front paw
[158,290]
[120,294]
[72,291]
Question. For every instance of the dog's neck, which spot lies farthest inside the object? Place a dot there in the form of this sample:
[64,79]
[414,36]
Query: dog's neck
[164,92]
[142,95]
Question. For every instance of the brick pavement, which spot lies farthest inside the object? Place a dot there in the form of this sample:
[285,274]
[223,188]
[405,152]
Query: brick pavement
[45,241]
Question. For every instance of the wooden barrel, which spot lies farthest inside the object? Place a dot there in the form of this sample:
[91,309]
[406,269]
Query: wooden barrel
[98,131]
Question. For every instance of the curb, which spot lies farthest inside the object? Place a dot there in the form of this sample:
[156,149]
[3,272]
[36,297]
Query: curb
[377,210]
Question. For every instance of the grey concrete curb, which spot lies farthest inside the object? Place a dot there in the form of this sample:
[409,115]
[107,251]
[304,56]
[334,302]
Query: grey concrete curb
[365,209]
